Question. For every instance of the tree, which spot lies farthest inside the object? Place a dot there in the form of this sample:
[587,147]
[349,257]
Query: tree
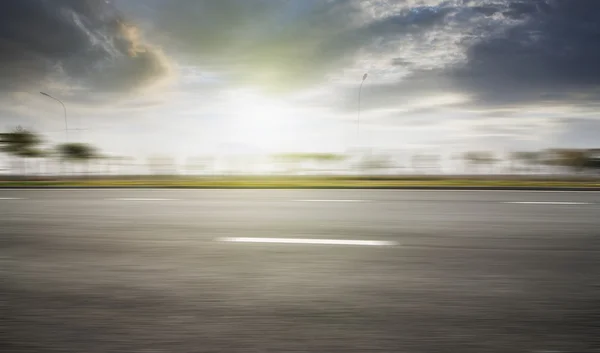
[370,164]
[77,153]
[530,160]
[573,160]
[474,159]
[21,143]
[592,161]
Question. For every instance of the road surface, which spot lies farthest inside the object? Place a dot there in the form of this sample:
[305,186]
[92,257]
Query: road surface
[299,271]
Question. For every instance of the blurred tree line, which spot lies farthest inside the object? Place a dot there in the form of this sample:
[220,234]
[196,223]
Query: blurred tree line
[28,156]
[24,146]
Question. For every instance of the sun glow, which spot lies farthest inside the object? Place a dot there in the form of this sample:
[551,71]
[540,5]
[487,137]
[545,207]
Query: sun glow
[257,121]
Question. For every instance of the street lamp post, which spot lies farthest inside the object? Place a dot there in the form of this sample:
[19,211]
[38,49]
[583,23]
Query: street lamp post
[65,110]
[359,101]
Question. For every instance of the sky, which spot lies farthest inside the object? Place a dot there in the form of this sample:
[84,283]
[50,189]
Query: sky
[193,77]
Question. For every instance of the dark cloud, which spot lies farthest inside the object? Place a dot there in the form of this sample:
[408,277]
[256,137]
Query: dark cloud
[552,55]
[501,53]
[409,20]
[85,43]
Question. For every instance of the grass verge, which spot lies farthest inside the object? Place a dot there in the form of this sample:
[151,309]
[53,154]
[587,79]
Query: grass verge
[309,183]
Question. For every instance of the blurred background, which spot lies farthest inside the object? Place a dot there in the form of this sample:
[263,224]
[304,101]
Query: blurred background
[186,88]
[29,155]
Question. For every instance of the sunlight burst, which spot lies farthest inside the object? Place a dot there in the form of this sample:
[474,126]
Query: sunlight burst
[258,121]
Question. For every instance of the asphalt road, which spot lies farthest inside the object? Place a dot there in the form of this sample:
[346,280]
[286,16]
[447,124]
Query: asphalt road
[150,271]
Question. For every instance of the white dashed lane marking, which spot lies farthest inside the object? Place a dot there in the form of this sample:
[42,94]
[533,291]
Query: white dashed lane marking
[331,200]
[140,199]
[310,241]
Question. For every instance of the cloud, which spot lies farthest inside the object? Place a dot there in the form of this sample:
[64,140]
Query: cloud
[431,63]
[497,52]
[276,44]
[501,54]
[81,43]
[280,45]
[551,55]
[293,44]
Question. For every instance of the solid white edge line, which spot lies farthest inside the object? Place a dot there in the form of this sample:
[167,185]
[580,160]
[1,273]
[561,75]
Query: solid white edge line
[308,241]
[11,198]
[548,203]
